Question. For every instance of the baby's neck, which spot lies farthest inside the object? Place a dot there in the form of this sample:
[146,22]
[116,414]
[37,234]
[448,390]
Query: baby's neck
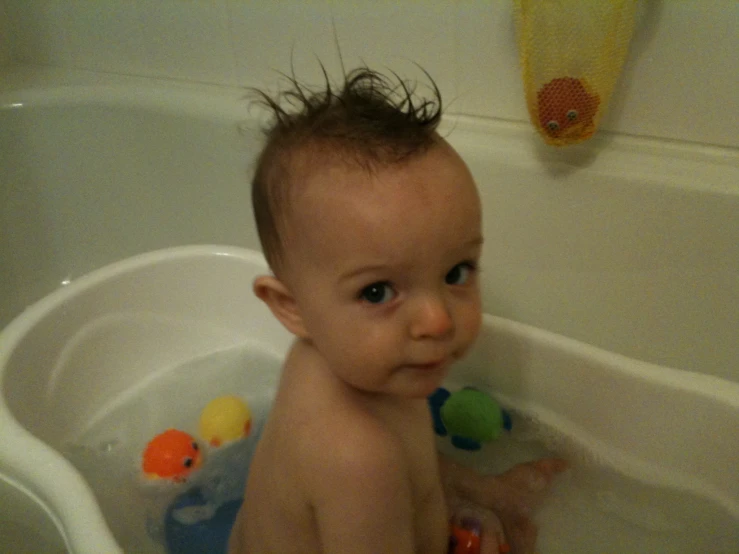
[377,402]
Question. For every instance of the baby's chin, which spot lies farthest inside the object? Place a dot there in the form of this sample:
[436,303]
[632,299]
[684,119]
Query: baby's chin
[421,383]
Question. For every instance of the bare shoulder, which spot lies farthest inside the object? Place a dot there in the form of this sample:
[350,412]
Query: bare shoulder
[346,440]
[349,460]
[340,439]
[331,428]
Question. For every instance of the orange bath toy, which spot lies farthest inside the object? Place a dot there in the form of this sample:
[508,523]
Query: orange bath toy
[464,541]
[465,538]
[172,454]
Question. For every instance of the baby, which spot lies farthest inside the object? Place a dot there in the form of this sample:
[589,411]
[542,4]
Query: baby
[371,224]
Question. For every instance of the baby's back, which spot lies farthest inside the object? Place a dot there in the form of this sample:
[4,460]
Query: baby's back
[276,513]
[275,516]
[312,425]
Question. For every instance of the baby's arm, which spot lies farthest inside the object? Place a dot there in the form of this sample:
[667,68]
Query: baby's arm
[362,498]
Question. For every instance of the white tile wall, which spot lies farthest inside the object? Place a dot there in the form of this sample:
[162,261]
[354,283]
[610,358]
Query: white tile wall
[38,31]
[304,35]
[680,82]
[487,68]
[400,36]
[267,39]
[104,35]
[4,39]
[682,77]
[187,39]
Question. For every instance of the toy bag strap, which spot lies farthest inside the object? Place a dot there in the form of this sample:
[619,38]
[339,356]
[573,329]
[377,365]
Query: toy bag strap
[572,52]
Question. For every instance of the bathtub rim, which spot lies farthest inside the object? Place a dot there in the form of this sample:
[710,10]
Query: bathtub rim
[685,165]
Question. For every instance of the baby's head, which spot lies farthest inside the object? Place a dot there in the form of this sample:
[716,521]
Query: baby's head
[368,123]
[371,223]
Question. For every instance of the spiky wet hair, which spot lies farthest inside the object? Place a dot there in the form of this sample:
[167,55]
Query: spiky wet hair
[369,121]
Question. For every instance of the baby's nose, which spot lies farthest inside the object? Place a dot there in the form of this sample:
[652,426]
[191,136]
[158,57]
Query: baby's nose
[431,319]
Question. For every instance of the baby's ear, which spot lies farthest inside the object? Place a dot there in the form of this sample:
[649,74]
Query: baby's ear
[280,300]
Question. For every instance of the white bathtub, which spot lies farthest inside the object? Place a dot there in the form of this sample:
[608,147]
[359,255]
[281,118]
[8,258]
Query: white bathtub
[629,248]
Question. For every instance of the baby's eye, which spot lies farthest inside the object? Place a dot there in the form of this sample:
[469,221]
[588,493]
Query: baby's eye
[377,293]
[459,274]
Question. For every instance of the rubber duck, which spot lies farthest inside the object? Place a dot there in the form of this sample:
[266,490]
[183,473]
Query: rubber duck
[225,419]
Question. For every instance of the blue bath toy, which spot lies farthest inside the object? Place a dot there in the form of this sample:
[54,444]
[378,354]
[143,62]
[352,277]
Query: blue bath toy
[469,415]
[192,526]
[436,401]
[199,521]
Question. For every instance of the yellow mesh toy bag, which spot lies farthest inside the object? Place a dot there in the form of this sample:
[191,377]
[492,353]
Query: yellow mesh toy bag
[572,52]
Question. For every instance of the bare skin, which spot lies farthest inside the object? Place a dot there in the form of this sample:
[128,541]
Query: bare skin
[357,468]
[505,503]
[380,290]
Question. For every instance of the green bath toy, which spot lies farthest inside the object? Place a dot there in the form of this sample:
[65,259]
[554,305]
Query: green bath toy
[469,415]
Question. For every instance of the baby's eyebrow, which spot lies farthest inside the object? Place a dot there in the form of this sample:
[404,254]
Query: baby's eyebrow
[380,268]
[477,241]
[357,271]
[472,244]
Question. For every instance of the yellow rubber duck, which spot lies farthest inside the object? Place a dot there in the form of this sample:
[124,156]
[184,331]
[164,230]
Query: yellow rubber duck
[225,419]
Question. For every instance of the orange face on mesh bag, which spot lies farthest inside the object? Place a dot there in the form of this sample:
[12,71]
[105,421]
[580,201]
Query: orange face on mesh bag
[566,108]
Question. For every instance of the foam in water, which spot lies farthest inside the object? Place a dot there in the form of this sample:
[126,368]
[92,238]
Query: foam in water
[594,507]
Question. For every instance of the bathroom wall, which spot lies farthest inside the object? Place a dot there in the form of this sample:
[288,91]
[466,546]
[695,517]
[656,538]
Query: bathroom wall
[680,82]
[4,39]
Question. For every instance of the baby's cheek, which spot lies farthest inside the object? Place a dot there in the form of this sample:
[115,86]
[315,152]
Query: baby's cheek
[358,339]
[380,339]
[471,322]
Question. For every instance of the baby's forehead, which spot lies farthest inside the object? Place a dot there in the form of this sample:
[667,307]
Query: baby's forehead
[339,187]
[333,166]
[322,182]
[318,177]
[340,197]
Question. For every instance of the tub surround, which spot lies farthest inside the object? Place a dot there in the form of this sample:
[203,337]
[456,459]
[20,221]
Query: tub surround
[610,269]
[629,244]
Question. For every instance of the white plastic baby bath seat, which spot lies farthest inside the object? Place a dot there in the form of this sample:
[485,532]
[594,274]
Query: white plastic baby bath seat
[73,357]
[133,348]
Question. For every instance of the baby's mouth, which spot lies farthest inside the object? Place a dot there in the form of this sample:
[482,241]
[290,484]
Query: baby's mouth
[430,366]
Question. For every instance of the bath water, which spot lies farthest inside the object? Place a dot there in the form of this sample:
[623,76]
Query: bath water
[108,451]
[591,508]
